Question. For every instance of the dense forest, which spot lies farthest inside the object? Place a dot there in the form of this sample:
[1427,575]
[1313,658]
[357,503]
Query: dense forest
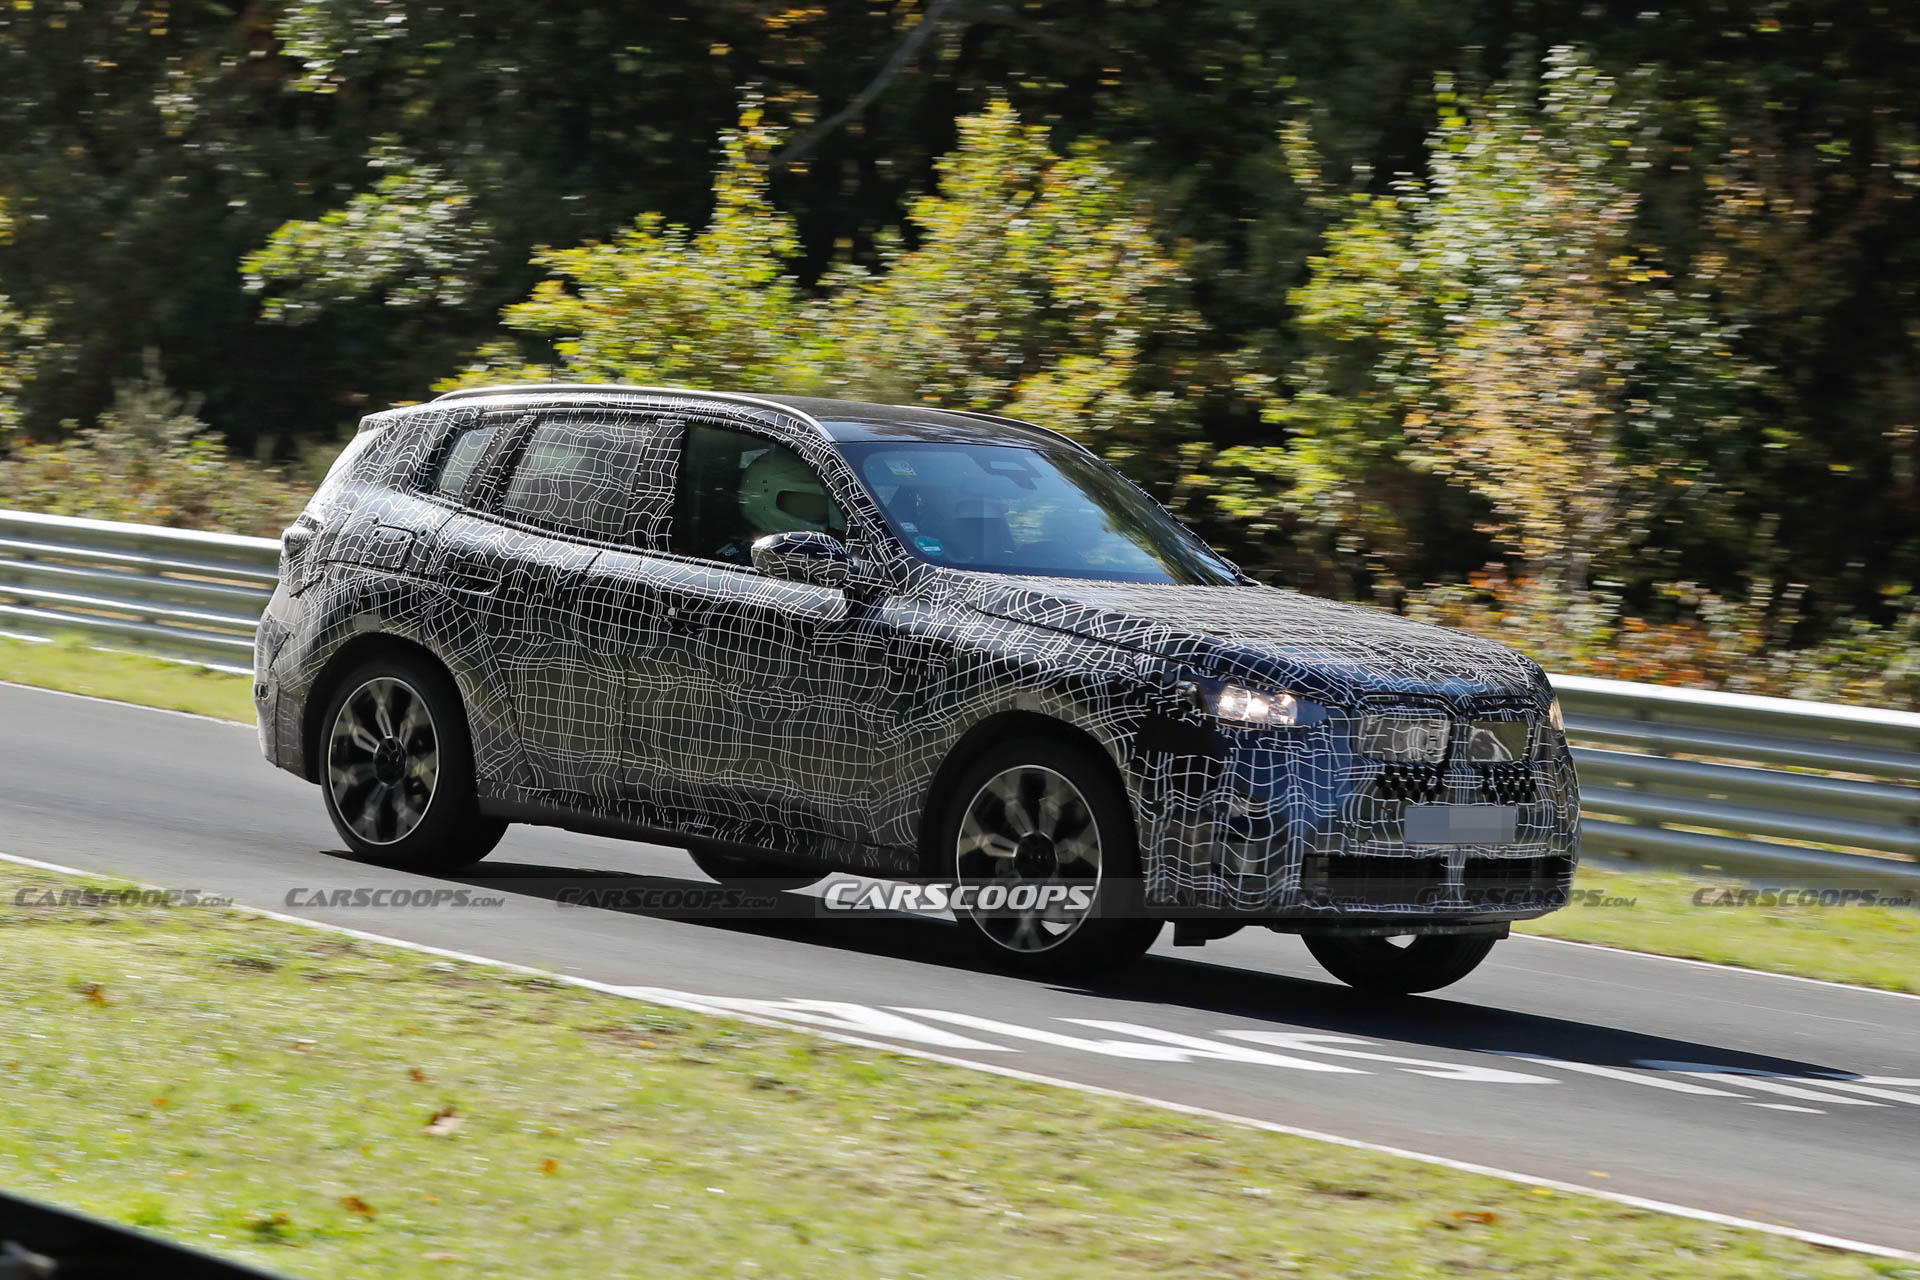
[1591,323]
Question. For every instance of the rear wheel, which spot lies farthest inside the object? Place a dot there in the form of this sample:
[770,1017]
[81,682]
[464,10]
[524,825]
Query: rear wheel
[398,778]
[1040,831]
[1400,966]
[761,873]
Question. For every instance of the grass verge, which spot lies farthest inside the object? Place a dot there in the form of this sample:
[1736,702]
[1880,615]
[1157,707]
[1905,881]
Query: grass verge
[69,665]
[1872,946]
[1682,915]
[323,1106]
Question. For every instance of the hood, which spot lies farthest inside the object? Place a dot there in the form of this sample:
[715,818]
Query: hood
[1320,649]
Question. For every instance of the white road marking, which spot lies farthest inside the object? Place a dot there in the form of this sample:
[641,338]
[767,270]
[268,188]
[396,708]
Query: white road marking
[1314,1043]
[835,1015]
[1869,1091]
[1214,1049]
[1169,1047]
[1616,1073]
[1753,1080]
[693,1004]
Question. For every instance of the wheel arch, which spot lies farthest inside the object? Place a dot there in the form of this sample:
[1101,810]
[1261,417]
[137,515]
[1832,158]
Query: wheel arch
[988,733]
[344,659]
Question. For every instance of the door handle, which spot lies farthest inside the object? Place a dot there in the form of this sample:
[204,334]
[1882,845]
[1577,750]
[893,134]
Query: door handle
[684,620]
[464,575]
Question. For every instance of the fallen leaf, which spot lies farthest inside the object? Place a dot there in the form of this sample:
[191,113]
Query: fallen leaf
[354,1204]
[95,993]
[160,1102]
[418,1076]
[549,1165]
[1476,1215]
[446,1120]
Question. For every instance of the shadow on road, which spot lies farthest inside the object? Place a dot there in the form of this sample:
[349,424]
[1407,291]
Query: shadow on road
[1291,1003]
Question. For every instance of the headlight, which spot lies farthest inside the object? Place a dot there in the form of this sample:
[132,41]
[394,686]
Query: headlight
[1237,704]
[1554,718]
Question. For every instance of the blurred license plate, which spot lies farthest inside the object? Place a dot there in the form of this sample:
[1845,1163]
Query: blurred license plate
[1460,823]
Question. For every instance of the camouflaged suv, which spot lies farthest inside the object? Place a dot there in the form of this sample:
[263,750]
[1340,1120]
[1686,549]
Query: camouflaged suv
[800,636]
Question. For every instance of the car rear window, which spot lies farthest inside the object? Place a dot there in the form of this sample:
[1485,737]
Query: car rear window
[581,478]
[454,476]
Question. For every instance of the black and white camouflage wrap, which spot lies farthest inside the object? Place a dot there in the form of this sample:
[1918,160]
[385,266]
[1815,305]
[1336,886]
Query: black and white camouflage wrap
[613,684]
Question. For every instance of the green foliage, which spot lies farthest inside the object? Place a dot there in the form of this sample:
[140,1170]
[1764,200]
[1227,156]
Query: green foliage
[1035,286]
[1497,325]
[1621,320]
[18,337]
[661,303]
[150,460]
[412,240]
[1703,640]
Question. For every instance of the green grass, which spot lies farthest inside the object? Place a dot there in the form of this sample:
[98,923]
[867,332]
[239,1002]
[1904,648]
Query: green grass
[69,665]
[1872,946]
[271,1092]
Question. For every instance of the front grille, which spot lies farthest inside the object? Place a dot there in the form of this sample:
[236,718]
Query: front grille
[1411,782]
[1410,736]
[1496,741]
[1372,881]
[1509,783]
[1515,882]
[1487,884]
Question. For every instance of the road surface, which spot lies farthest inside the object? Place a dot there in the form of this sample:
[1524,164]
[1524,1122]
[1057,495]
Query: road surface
[1790,1102]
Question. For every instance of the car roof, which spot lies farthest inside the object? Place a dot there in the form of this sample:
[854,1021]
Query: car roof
[855,420]
[844,421]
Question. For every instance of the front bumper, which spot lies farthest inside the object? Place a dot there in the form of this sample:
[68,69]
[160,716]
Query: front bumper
[1292,826]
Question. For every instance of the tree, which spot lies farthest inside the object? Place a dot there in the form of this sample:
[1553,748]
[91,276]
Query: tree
[1035,286]
[1500,325]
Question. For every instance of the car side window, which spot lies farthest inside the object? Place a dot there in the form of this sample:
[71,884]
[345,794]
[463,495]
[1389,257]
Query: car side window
[584,476]
[735,487]
[460,462]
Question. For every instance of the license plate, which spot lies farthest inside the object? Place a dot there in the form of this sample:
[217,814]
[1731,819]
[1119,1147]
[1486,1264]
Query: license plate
[1460,823]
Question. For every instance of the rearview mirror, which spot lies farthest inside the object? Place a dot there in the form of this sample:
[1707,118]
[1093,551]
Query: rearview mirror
[804,555]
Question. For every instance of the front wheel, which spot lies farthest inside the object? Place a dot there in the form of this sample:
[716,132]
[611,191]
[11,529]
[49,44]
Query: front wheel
[1400,966]
[398,778]
[1039,833]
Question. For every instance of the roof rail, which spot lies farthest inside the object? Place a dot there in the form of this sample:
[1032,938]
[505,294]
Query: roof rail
[1005,421]
[617,388]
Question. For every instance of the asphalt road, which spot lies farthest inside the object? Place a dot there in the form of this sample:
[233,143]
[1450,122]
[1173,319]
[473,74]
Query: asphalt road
[1784,1101]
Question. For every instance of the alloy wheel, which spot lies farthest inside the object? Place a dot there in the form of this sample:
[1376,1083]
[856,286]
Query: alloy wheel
[1029,826]
[383,760]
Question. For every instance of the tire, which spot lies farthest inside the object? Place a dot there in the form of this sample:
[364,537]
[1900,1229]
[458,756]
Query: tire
[1425,963]
[1040,812]
[761,873]
[397,767]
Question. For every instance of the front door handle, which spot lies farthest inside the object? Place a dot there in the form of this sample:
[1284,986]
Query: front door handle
[687,622]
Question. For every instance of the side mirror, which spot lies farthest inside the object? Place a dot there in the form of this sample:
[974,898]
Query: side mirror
[804,555]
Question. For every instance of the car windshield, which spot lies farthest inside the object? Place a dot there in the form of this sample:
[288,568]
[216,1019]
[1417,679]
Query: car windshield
[1011,509]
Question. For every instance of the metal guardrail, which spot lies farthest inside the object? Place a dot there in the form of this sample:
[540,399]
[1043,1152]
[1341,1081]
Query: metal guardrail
[174,592]
[1765,787]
